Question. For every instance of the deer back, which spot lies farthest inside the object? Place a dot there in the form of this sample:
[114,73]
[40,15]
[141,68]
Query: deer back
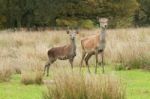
[90,43]
[61,52]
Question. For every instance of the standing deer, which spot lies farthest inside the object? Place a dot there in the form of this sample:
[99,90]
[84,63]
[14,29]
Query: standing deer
[63,52]
[95,44]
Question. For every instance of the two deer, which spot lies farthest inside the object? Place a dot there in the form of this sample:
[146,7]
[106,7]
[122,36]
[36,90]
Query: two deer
[92,45]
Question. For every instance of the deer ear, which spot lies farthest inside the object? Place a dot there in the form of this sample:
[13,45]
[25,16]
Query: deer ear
[77,32]
[67,31]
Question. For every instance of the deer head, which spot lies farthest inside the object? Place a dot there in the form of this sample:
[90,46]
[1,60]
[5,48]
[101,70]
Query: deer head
[103,22]
[72,33]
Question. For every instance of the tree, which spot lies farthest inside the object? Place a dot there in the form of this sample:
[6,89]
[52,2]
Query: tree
[30,13]
[142,15]
[120,11]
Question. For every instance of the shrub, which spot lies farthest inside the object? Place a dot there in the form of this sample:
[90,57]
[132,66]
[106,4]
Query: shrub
[67,22]
[87,24]
[39,78]
[27,78]
[139,62]
[32,78]
[76,86]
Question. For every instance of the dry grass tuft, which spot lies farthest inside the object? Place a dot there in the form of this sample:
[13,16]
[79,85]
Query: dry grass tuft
[5,74]
[27,78]
[32,78]
[69,85]
[39,77]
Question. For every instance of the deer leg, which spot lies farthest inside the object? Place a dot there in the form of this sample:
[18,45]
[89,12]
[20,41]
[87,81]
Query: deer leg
[83,56]
[48,70]
[99,55]
[45,67]
[87,59]
[102,55]
[96,56]
[71,62]
[48,66]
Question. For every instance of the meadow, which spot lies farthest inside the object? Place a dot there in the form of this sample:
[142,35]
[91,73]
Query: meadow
[24,54]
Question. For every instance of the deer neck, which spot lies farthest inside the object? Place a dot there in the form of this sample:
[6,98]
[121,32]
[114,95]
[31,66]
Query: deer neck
[73,46]
[102,39]
[103,35]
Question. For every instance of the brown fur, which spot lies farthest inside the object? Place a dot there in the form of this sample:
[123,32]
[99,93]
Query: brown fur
[90,46]
[94,44]
[62,52]
[90,43]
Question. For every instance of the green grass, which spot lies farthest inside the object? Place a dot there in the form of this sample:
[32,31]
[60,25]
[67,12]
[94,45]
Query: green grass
[137,84]
[15,90]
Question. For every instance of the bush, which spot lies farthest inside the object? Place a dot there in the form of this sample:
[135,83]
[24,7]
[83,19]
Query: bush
[87,24]
[133,60]
[39,78]
[77,86]
[139,62]
[5,74]
[27,79]
[32,78]
[67,22]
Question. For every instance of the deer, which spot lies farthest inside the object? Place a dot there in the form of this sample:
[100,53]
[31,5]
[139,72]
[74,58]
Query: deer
[66,52]
[94,45]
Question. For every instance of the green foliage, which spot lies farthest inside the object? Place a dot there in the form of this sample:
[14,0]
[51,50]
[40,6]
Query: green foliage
[25,13]
[70,22]
[116,11]
[142,15]
[37,13]
[74,23]
[2,21]
[87,24]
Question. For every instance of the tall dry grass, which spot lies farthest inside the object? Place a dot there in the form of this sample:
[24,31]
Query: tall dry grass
[130,47]
[32,76]
[69,85]
[27,50]
[5,70]
[5,74]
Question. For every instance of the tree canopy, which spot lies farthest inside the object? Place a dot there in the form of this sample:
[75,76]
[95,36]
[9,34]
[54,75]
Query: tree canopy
[83,13]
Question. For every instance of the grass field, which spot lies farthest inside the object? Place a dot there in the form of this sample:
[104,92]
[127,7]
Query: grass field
[137,84]
[24,53]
